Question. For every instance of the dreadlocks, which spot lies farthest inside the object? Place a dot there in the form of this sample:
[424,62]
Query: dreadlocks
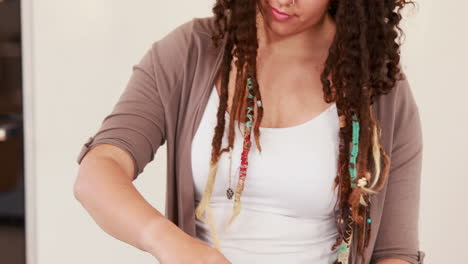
[363,63]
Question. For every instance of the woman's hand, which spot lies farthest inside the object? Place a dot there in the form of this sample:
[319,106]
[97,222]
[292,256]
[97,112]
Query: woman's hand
[170,245]
[193,251]
[393,261]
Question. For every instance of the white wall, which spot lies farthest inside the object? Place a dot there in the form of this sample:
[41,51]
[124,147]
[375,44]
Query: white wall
[436,58]
[82,53]
[78,58]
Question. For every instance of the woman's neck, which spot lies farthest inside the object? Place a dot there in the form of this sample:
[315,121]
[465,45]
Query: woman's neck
[312,43]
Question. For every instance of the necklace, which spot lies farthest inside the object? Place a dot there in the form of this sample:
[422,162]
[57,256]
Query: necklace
[229,190]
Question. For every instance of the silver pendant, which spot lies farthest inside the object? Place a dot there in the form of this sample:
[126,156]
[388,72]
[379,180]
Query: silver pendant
[229,193]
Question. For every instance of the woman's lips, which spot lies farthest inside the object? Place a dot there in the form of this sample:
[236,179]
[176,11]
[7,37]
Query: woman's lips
[278,15]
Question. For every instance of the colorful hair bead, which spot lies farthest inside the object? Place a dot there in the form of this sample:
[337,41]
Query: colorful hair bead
[342,255]
[354,150]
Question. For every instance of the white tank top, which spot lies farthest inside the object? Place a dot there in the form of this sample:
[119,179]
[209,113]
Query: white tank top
[287,202]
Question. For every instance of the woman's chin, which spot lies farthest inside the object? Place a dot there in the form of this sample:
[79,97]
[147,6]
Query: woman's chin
[281,29]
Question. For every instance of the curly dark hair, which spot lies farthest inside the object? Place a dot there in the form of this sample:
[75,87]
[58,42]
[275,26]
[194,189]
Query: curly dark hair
[363,63]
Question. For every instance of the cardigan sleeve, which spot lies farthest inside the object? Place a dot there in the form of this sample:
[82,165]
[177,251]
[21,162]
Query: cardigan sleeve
[137,123]
[398,232]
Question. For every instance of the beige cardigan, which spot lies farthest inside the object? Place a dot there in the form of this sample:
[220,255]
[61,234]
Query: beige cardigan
[163,103]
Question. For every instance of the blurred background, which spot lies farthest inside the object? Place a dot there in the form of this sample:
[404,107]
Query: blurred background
[63,65]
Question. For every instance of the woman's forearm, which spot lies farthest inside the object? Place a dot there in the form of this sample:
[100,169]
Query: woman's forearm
[393,261]
[105,190]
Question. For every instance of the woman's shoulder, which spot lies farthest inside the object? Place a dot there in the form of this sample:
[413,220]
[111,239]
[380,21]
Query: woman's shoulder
[401,97]
[185,39]
[197,27]
[204,25]
[398,115]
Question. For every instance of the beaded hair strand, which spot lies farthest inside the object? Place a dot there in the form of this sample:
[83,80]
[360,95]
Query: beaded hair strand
[244,35]
[245,151]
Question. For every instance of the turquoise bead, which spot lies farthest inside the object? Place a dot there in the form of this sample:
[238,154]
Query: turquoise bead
[369,220]
[343,248]
[354,149]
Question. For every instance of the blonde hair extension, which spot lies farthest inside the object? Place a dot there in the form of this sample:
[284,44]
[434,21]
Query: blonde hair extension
[208,191]
[237,207]
[376,155]
[212,226]
[377,152]
[237,203]
[204,204]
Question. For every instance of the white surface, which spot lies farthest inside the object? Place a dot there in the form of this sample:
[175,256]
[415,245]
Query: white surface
[78,57]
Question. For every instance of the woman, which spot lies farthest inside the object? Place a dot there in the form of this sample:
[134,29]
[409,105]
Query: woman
[332,180]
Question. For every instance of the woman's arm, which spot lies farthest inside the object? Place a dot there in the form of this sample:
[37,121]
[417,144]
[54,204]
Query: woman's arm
[126,142]
[393,261]
[104,187]
[398,236]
